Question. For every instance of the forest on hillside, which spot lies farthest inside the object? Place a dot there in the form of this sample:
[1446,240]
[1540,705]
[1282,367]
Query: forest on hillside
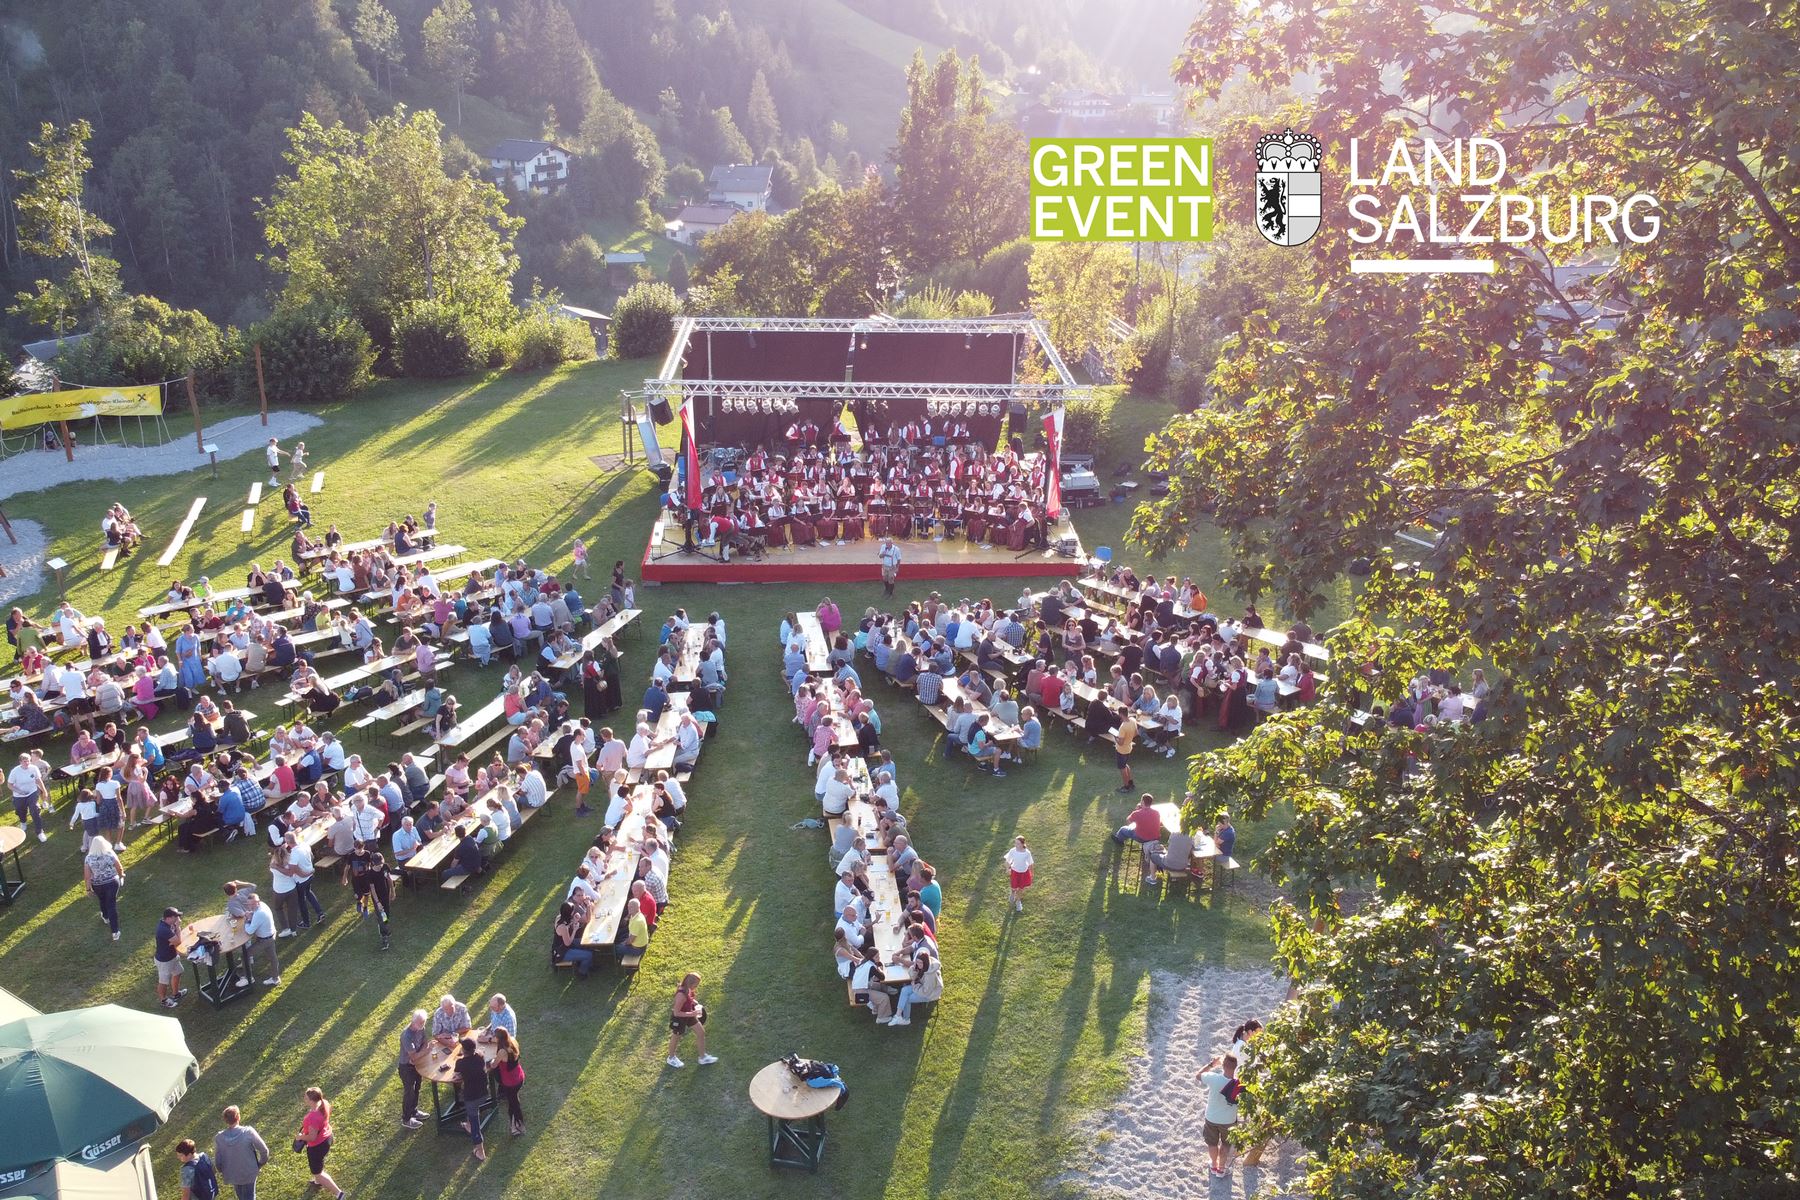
[190,102]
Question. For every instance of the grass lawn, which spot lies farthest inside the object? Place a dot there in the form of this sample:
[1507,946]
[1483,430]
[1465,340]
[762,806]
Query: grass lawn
[1040,1013]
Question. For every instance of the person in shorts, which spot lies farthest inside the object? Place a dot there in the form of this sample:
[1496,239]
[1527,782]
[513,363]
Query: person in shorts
[688,1013]
[168,963]
[1222,1090]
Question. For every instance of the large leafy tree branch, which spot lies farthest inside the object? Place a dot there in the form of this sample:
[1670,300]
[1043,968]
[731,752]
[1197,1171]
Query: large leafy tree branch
[1572,967]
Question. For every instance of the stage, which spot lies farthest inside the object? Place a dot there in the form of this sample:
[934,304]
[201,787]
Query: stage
[854,562]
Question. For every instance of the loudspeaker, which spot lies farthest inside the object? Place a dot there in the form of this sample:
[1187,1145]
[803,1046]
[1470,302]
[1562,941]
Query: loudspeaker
[660,410]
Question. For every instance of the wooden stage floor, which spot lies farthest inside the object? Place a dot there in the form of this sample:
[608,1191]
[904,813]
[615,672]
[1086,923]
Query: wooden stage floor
[854,562]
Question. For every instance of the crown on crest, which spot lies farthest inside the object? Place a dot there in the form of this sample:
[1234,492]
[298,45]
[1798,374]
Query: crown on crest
[1289,151]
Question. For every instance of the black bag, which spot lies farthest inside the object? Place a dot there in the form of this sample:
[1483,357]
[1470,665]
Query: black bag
[809,1069]
[299,1145]
[1231,1091]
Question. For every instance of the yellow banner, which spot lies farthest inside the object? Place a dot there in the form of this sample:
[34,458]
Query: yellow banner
[37,408]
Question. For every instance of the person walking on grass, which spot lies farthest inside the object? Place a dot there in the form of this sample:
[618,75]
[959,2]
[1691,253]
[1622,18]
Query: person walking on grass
[239,1153]
[315,1139]
[274,452]
[688,1013]
[199,1180]
[509,1068]
[580,553]
[412,1043]
[1123,739]
[890,564]
[1222,1091]
[103,874]
[1018,868]
[297,462]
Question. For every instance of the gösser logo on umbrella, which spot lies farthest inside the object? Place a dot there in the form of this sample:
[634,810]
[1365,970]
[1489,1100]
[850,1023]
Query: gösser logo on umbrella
[83,1085]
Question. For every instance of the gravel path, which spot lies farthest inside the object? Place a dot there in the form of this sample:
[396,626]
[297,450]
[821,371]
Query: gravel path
[35,470]
[1148,1147]
[24,562]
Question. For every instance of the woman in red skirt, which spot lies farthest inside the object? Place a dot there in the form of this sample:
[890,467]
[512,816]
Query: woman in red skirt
[1018,867]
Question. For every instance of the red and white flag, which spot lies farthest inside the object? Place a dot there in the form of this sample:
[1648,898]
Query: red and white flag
[1053,431]
[690,458]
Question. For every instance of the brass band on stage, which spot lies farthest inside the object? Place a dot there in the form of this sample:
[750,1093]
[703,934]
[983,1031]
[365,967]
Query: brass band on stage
[818,495]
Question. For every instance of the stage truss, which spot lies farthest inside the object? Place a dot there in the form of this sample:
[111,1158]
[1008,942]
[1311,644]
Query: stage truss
[670,387]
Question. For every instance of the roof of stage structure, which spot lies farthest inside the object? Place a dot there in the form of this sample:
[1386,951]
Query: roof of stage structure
[672,386]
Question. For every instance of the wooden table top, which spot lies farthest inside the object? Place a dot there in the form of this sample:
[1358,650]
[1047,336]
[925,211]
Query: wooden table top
[621,869]
[472,725]
[818,647]
[777,1093]
[11,838]
[227,932]
[437,1062]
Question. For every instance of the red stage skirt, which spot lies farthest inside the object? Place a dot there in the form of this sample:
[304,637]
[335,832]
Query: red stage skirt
[827,529]
[851,529]
[802,531]
[779,531]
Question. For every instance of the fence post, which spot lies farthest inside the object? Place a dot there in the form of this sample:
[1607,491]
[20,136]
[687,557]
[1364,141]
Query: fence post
[68,449]
[262,396]
[199,441]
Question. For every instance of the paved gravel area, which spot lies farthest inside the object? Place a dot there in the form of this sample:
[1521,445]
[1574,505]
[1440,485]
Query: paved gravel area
[35,470]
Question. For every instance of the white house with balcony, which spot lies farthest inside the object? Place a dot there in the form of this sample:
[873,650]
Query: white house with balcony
[527,165]
[742,185]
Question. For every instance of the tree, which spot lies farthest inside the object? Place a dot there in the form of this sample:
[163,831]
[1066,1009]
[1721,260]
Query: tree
[1077,290]
[720,140]
[316,353]
[761,122]
[378,33]
[374,222]
[1562,966]
[960,177]
[644,320]
[448,37]
[54,224]
[684,184]
[144,340]
[678,272]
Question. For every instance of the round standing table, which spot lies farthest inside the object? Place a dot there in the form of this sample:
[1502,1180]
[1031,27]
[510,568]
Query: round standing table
[796,1116]
[11,838]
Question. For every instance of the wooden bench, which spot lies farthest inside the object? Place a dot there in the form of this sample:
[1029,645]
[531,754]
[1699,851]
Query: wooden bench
[630,961]
[318,483]
[181,532]
[111,559]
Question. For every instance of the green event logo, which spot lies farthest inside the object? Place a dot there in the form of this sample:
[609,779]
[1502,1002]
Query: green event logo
[1121,189]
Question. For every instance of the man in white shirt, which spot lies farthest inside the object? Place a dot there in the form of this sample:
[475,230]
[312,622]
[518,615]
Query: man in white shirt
[1452,707]
[851,925]
[838,791]
[27,793]
[671,785]
[259,927]
[355,774]
[331,752]
[532,789]
[639,750]
[885,789]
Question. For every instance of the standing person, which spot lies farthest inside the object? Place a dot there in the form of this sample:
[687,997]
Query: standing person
[1123,738]
[580,554]
[199,1179]
[510,1068]
[168,963]
[472,1086]
[315,1136]
[1018,866]
[104,875]
[300,870]
[27,793]
[1222,1090]
[259,927]
[274,452]
[412,1043]
[239,1153]
[890,564]
[297,462]
[688,1013]
[371,885]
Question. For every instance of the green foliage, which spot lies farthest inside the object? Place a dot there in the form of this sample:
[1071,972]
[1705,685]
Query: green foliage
[372,221]
[1077,289]
[146,341]
[644,321]
[626,173]
[960,175]
[937,303]
[832,256]
[720,141]
[1568,972]
[1003,274]
[378,33]
[678,272]
[434,341]
[1152,341]
[55,224]
[684,183]
[448,41]
[1086,425]
[544,338]
[762,124]
[1188,387]
[314,353]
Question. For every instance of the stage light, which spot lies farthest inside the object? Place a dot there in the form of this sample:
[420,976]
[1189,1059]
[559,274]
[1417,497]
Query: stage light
[968,342]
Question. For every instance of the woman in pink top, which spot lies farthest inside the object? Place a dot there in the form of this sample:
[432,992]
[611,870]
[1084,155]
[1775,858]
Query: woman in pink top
[315,1134]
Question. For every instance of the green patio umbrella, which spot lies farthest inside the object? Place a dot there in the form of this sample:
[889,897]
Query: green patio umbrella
[81,1085]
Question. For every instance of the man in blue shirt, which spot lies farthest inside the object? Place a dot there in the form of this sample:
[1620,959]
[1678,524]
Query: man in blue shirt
[655,700]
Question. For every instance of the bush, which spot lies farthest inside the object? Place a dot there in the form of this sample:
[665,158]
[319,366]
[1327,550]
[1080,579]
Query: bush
[1188,386]
[312,354]
[146,341]
[644,320]
[1085,426]
[1151,345]
[543,338]
[434,341]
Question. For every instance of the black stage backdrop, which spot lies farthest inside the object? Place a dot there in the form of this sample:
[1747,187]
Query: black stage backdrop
[818,356]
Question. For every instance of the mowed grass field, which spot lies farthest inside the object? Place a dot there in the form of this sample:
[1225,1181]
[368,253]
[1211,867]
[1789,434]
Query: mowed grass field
[988,1098]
